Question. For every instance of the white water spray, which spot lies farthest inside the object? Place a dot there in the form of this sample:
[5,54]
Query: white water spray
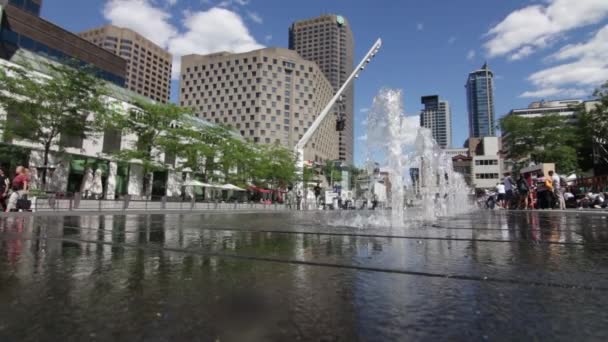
[420,181]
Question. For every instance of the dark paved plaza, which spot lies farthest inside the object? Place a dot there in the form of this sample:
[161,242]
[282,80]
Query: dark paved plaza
[487,275]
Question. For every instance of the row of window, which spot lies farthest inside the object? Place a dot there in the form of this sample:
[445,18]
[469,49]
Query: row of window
[7,36]
[486,162]
[486,175]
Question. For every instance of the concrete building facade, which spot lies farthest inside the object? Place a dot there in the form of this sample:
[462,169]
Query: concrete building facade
[271,96]
[148,70]
[480,102]
[328,41]
[487,163]
[70,161]
[540,108]
[23,29]
[437,116]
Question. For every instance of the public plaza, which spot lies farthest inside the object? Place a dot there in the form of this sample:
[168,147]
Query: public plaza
[259,276]
[248,170]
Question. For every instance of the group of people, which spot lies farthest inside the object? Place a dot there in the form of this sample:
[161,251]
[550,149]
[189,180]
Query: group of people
[11,191]
[543,192]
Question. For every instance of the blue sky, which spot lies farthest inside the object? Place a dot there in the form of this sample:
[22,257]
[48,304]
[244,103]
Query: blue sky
[544,49]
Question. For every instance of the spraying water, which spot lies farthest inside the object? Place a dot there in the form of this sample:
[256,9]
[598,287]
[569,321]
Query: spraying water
[406,164]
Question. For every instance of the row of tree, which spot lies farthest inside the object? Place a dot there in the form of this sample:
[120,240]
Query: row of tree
[50,108]
[572,143]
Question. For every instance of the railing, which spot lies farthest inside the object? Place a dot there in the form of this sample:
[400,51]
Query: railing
[127,203]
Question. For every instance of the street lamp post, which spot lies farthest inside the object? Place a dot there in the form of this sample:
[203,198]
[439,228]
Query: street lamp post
[299,148]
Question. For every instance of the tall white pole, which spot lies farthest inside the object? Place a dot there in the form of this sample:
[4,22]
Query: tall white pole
[299,148]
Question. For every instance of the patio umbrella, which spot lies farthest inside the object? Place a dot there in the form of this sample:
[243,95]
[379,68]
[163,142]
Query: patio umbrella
[194,182]
[231,187]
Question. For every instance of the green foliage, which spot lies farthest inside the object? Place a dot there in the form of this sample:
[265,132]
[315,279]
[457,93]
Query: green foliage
[42,109]
[155,127]
[332,172]
[275,165]
[543,139]
[593,130]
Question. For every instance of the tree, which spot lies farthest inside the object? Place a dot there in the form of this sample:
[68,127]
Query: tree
[275,166]
[66,102]
[543,139]
[333,172]
[593,130]
[155,126]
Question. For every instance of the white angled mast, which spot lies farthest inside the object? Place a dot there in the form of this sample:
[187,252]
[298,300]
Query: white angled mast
[299,148]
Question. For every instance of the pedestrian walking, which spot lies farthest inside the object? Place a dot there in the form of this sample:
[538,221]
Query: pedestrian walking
[558,198]
[4,188]
[544,191]
[299,200]
[19,187]
[524,192]
[500,190]
[509,194]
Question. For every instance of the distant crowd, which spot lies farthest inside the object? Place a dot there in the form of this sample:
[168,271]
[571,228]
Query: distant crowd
[541,192]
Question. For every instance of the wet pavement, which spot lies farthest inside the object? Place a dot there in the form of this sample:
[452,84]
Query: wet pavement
[303,276]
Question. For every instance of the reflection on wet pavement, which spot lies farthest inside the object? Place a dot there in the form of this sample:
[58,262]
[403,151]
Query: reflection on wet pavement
[290,276]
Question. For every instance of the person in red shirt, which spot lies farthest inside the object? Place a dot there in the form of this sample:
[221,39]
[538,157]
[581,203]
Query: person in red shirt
[20,185]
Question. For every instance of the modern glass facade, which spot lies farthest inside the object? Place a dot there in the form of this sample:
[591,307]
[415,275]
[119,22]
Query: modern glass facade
[11,38]
[22,29]
[480,102]
[32,6]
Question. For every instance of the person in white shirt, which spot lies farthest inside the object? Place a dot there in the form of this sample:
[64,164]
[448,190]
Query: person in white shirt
[557,191]
[500,189]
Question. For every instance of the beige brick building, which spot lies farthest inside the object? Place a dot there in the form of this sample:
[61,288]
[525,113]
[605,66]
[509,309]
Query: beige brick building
[148,65]
[270,96]
[328,41]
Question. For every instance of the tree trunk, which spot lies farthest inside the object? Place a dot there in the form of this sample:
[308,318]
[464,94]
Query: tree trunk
[47,148]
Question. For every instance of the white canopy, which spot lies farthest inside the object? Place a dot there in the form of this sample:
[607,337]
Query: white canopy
[231,187]
[194,182]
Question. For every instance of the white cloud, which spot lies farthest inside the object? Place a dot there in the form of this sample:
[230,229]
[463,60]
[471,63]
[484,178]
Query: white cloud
[420,26]
[535,26]
[171,2]
[584,66]
[451,40]
[256,18]
[229,3]
[470,55]
[204,32]
[268,38]
[550,92]
[364,110]
[521,53]
[216,29]
[362,138]
[142,17]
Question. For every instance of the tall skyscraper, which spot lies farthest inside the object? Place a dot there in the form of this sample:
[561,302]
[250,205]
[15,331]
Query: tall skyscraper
[328,41]
[437,116]
[480,102]
[271,96]
[148,65]
[21,28]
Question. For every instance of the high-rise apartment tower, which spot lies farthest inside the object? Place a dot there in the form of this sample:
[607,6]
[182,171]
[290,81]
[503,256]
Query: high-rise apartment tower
[480,102]
[437,116]
[271,96]
[148,65]
[328,41]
